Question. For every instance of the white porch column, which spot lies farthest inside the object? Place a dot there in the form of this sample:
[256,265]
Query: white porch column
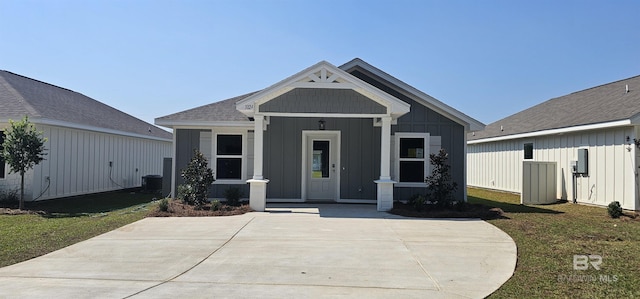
[258,185]
[385,184]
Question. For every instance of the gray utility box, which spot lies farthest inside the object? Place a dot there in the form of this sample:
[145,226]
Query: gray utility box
[583,161]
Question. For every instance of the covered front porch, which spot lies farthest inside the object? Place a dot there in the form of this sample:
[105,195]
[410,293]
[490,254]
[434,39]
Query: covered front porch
[322,135]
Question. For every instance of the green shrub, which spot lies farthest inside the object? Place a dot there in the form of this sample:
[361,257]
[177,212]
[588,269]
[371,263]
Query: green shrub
[163,206]
[216,205]
[418,201]
[440,184]
[614,209]
[233,194]
[198,178]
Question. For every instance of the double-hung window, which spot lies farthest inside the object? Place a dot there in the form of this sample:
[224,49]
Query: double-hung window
[230,155]
[412,158]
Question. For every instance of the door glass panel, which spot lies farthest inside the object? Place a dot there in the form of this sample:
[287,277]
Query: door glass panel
[320,162]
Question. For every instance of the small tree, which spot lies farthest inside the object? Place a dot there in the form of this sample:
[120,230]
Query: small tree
[441,185]
[198,178]
[23,148]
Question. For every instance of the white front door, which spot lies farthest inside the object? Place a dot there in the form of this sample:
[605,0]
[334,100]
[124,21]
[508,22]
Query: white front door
[321,166]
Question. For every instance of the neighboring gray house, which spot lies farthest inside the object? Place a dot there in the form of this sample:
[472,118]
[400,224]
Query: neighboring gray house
[341,134]
[592,129]
[91,147]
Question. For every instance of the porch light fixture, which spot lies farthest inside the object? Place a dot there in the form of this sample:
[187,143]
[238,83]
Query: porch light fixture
[321,124]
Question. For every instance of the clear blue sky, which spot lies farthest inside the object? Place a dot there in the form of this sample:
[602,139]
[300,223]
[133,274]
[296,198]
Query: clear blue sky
[488,59]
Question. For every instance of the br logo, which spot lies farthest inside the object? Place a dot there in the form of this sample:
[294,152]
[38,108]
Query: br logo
[581,262]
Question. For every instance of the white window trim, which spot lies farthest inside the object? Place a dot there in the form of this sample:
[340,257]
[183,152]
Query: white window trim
[396,156]
[243,157]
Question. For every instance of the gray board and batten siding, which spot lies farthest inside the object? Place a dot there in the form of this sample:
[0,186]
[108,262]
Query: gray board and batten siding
[186,141]
[359,156]
[360,143]
[423,119]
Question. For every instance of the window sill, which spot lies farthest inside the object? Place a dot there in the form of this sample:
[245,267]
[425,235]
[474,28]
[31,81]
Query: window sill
[229,182]
[409,185]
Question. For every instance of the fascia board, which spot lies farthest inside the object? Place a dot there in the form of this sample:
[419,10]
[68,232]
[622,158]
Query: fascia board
[619,123]
[58,123]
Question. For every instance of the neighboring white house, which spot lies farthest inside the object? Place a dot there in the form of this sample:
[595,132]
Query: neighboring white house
[90,148]
[593,130]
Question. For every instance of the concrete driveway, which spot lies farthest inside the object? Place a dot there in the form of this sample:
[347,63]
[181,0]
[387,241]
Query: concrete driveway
[309,251]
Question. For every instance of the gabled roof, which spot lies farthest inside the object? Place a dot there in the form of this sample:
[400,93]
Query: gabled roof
[49,104]
[610,104]
[470,123]
[322,73]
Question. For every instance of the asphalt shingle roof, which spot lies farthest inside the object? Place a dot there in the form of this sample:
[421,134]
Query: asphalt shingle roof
[600,104]
[20,96]
[224,110]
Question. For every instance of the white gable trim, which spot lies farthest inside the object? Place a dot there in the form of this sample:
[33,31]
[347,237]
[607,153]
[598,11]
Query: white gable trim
[323,75]
[470,124]
[559,131]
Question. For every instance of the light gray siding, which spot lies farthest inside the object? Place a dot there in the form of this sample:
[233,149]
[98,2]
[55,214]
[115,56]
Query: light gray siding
[307,100]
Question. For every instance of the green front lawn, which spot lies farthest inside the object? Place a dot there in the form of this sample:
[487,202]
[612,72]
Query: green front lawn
[67,221]
[548,237]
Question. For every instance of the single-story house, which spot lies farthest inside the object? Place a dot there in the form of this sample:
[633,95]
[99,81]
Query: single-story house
[90,147]
[589,135]
[340,134]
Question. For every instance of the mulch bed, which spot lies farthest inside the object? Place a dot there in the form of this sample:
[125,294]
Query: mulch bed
[16,211]
[469,211]
[630,216]
[179,209]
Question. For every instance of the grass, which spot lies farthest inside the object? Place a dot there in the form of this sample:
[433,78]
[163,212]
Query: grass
[67,221]
[548,237]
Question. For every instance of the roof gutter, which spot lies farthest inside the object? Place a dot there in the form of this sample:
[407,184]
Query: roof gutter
[560,131]
[58,123]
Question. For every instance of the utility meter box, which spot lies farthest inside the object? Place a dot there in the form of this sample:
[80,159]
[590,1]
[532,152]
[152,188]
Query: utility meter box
[583,161]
